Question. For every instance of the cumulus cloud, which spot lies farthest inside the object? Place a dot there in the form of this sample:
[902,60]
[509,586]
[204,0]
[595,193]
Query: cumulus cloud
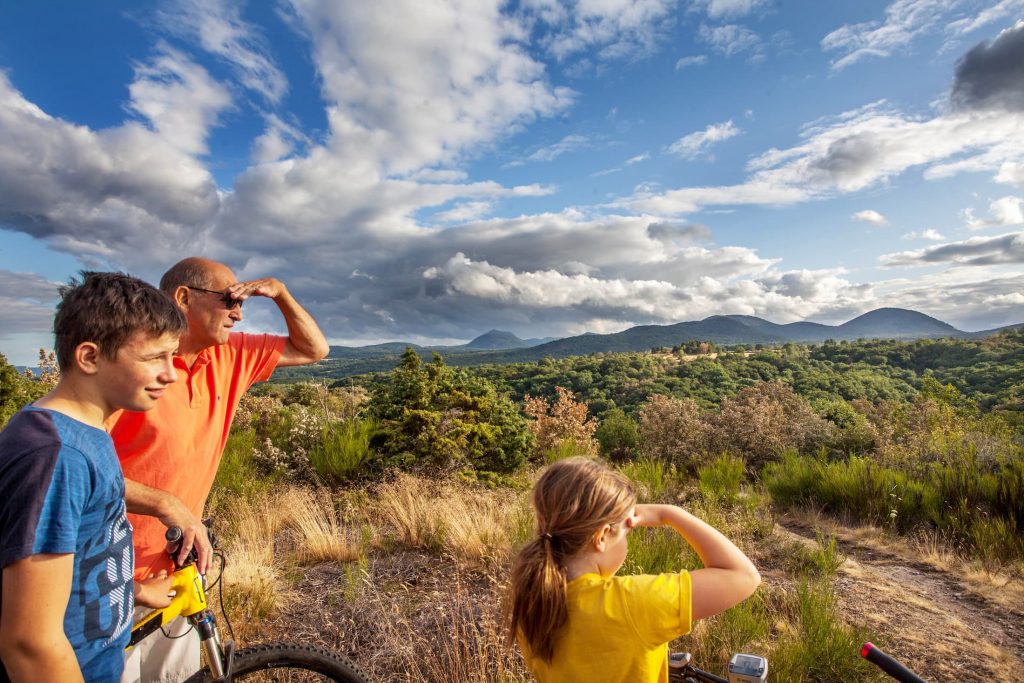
[904,21]
[26,303]
[464,212]
[693,60]
[730,39]
[870,216]
[219,29]
[729,9]
[616,29]
[976,251]
[928,234]
[991,75]
[696,144]
[1003,212]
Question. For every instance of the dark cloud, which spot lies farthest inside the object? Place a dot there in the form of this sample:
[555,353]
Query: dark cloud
[979,251]
[668,230]
[991,74]
[26,303]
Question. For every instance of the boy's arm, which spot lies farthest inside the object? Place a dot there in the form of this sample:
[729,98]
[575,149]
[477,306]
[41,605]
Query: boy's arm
[728,576]
[144,500]
[33,645]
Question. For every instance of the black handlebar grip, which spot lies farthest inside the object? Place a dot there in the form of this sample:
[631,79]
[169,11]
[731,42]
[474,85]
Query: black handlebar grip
[889,664]
[173,534]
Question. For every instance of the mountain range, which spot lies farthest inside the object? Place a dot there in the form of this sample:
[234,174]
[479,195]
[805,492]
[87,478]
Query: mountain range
[498,346]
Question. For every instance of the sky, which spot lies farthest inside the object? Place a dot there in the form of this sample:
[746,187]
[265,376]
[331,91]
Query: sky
[426,171]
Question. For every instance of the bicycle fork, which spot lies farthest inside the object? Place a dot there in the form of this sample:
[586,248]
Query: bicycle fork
[219,658]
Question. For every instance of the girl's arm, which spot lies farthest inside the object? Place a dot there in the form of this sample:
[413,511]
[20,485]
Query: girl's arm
[728,576]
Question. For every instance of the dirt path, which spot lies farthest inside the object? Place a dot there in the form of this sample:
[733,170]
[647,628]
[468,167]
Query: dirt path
[929,618]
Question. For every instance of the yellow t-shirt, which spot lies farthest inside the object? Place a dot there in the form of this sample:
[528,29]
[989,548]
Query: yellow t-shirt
[618,629]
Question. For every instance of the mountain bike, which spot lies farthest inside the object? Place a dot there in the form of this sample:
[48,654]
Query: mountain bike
[742,668]
[271,662]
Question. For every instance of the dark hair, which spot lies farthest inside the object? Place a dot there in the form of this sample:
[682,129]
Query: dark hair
[189,272]
[573,499]
[107,308]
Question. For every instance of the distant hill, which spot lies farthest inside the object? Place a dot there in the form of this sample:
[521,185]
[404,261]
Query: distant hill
[497,346]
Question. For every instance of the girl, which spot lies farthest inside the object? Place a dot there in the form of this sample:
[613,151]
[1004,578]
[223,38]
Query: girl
[573,618]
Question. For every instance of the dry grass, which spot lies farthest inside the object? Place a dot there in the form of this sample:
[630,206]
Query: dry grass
[320,535]
[467,522]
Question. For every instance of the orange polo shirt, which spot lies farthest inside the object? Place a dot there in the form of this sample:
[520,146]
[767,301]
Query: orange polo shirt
[177,446]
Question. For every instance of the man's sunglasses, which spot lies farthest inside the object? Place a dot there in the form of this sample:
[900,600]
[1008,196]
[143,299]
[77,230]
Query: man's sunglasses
[225,297]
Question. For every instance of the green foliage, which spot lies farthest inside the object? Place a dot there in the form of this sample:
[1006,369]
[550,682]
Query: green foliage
[343,450]
[239,475]
[721,478]
[650,476]
[976,504]
[617,434]
[437,416]
[16,390]
[656,551]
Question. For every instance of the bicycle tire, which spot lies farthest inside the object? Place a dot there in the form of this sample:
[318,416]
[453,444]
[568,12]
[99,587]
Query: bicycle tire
[290,662]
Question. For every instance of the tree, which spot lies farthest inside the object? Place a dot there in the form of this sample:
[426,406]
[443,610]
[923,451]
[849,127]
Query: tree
[673,430]
[442,417]
[563,421]
[617,434]
[16,390]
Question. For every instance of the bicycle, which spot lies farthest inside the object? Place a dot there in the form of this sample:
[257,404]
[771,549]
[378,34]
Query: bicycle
[742,668]
[286,661]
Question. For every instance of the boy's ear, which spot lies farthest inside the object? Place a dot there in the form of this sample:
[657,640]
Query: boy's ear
[87,356]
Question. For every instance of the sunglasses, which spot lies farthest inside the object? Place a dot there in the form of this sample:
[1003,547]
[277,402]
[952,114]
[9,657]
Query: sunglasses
[225,297]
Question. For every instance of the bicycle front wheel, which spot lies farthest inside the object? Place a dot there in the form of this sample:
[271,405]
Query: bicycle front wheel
[289,663]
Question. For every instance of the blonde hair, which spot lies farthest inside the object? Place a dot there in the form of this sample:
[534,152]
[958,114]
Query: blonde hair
[573,499]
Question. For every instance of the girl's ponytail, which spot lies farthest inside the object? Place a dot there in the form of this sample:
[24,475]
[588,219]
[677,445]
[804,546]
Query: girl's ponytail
[573,499]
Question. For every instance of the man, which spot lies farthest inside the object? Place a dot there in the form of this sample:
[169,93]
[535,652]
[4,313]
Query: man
[170,456]
[65,543]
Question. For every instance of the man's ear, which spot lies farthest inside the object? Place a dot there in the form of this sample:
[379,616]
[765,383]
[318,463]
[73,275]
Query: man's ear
[182,297]
[87,356]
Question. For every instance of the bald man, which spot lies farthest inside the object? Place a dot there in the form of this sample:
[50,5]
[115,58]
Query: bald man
[170,455]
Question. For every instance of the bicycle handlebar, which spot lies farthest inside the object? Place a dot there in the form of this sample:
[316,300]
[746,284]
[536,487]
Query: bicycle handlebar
[889,664]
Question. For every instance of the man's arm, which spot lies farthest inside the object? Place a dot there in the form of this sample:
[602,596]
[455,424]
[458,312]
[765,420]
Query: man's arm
[33,644]
[144,500]
[306,343]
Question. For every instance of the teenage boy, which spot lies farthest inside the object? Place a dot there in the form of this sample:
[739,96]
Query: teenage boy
[66,594]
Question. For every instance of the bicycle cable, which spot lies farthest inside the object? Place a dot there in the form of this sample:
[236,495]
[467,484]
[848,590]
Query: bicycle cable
[220,592]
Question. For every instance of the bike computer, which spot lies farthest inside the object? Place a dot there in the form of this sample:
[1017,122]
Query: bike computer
[748,669]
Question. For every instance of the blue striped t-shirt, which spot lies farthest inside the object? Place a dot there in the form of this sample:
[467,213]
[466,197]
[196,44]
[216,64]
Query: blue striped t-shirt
[61,491]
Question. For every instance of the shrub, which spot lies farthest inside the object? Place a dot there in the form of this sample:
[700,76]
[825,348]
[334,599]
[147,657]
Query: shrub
[650,478]
[672,430]
[343,450]
[617,434]
[721,478]
[564,420]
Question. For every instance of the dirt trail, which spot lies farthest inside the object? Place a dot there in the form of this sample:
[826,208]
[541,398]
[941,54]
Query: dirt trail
[930,619]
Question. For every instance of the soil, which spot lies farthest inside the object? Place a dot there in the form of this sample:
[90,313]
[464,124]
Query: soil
[931,620]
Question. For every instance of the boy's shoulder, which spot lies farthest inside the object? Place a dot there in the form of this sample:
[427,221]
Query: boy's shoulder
[38,431]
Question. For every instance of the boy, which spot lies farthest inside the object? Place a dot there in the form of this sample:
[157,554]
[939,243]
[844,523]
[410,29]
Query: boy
[66,597]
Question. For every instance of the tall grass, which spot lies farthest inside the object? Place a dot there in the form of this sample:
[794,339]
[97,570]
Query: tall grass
[981,507]
[238,472]
[343,450]
[320,534]
[651,477]
[722,477]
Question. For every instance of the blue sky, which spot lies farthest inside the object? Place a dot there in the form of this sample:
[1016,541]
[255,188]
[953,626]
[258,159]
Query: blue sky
[427,171]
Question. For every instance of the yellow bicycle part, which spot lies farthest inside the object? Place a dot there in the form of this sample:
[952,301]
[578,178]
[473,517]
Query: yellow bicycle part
[189,598]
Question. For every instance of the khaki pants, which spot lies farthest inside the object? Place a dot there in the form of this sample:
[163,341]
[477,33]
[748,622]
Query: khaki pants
[159,659]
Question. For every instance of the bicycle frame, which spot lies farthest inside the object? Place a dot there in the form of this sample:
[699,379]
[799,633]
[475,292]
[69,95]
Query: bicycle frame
[189,601]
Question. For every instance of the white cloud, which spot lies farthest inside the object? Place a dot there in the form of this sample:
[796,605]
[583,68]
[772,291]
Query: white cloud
[904,21]
[567,144]
[219,29]
[695,144]
[870,216]
[1003,212]
[729,9]
[730,39]
[278,141]
[928,234]
[464,212]
[986,16]
[638,158]
[179,98]
[614,28]
[694,60]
